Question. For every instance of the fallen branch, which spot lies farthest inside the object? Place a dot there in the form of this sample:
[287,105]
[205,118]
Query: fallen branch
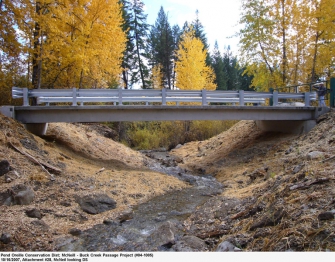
[328,159]
[101,170]
[43,165]
[308,184]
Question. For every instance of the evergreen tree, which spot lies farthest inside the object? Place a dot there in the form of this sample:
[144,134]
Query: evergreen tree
[134,68]
[140,35]
[128,55]
[230,70]
[217,63]
[176,31]
[162,47]
[200,33]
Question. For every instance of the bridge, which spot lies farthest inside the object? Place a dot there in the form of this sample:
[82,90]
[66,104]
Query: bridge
[114,105]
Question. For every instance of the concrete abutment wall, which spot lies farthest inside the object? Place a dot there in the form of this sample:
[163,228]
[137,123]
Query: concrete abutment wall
[286,126]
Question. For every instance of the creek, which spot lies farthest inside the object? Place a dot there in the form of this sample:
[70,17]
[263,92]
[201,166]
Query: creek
[157,224]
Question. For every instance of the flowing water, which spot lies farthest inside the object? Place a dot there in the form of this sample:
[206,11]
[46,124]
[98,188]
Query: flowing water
[151,224]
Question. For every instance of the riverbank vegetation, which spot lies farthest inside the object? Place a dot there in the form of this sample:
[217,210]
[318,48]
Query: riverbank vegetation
[166,134]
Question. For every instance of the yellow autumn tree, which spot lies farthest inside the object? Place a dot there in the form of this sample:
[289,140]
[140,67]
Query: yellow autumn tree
[83,43]
[192,73]
[287,42]
[157,76]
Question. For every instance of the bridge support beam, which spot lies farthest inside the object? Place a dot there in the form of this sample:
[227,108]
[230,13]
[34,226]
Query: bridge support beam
[285,126]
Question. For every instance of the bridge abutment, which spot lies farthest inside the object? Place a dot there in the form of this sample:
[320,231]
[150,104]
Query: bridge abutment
[286,126]
[39,129]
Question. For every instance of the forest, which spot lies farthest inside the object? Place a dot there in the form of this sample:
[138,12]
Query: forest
[109,44]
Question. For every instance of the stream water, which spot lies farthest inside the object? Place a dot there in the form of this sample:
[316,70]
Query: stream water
[156,224]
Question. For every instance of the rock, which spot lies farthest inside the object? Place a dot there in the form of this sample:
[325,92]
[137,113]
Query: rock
[163,235]
[63,244]
[65,203]
[178,146]
[95,204]
[110,222]
[297,168]
[226,246]
[34,213]
[4,167]
[314,155]
[190,244]
[5,238]
[326,216]
[178,159]
[75,232]
[125,216]
[24,195]
[41,225]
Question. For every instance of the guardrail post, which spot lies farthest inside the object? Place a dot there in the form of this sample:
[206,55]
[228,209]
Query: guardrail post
[241,97]
[74,96]
[271,98]
[204,97]
[275,98]
[307,99]
[25,97]
[164,96]
[120,96]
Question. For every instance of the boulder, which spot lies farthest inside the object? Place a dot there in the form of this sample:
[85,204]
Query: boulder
[34,213]
[314,155]
[226,246]
[190,244]
[24,195]
[4,167]
[164,235]
[95,204]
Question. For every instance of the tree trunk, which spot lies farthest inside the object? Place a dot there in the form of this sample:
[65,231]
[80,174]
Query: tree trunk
[36,74]
[138,55]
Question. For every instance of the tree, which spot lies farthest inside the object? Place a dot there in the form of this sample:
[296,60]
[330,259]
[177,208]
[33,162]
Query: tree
[134,68]
[200,33]
[161,44]
[286,42]
[13,70]
[157,77]
[191,69]
[220,74]
[258,44]
[80,43]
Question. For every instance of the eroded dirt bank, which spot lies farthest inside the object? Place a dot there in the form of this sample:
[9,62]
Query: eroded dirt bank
[282,188]
[278,189]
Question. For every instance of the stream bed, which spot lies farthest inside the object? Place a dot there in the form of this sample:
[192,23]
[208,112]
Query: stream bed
[156,225]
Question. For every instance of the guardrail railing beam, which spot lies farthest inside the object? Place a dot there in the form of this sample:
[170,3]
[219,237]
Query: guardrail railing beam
[147,96]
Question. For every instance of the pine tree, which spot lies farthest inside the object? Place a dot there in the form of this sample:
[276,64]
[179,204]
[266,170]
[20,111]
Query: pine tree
[162,47]
[128,56]
[140,35]
[200,33]
[135,70]
[217,63]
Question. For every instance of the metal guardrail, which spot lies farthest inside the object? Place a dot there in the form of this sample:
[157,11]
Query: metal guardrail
[120,96]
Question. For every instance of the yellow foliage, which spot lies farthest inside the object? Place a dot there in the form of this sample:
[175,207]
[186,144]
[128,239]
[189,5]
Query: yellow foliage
[157,77]
[192,73]
[84,43]
[286,42]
